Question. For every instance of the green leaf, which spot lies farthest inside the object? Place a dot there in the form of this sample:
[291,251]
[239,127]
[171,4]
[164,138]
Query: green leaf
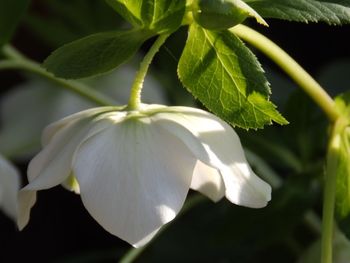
[218,15]
[10,13]
[219,70]
[129,10]
[156,15]
[343,170]
[343,176]
[334,12]
[343,103]
[95,54]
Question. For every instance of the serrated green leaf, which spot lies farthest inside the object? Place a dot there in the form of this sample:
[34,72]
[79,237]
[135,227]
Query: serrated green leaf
[219,70]
[10,13]
[334,12]
[95,54]
[156,15]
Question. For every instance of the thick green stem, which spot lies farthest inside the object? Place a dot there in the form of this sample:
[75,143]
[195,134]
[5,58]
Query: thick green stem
[135,94]
[15,60]
[291,67]
[329,192]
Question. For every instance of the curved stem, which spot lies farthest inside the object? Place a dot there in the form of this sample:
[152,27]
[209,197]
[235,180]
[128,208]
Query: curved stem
[15,60]
[135,94]
[330,191]
[291,67]
[133,253]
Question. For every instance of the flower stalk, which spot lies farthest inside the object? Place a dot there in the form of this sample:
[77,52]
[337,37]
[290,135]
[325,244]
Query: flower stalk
[135,94]
[291,67]
[330,191]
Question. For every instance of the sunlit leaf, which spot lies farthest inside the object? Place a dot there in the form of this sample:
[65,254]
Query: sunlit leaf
[219,70]
[156,15]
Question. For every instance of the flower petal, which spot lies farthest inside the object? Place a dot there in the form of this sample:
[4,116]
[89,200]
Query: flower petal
[53,164]
[208,181]
[26,200]
[9,186]
[53,128]
[134,178]
[221,149]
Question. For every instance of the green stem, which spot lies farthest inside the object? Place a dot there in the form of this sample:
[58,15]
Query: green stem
[15,60]
[329,192]
[135,94]
[133,253]
[291,67]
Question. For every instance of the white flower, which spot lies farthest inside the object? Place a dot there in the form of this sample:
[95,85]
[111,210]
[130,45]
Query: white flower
[134,168]
[9,186]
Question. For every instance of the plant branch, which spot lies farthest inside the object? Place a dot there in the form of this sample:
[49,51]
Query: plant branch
[15,60]
[330,191]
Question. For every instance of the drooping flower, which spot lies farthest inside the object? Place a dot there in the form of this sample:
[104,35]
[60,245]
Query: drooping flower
[9,186]
[133,169]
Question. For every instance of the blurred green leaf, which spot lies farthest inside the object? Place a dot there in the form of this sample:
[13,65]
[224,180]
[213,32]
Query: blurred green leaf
[306,134]
[343,169]
[219,70]
[95,54]
[298,147]
[156,15]
[334,12]
[10,13]
[70,20]
[343,176]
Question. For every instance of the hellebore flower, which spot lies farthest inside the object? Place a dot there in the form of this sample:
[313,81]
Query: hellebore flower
[133,169]
[9,186]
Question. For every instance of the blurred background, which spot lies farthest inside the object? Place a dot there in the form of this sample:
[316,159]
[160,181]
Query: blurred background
[290,158]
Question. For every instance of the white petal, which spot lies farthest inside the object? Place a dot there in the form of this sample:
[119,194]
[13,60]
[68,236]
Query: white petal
[134,178]
[9,186]
[53,128]
[222,150]
[54,163]
[208,181]
[26,200]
